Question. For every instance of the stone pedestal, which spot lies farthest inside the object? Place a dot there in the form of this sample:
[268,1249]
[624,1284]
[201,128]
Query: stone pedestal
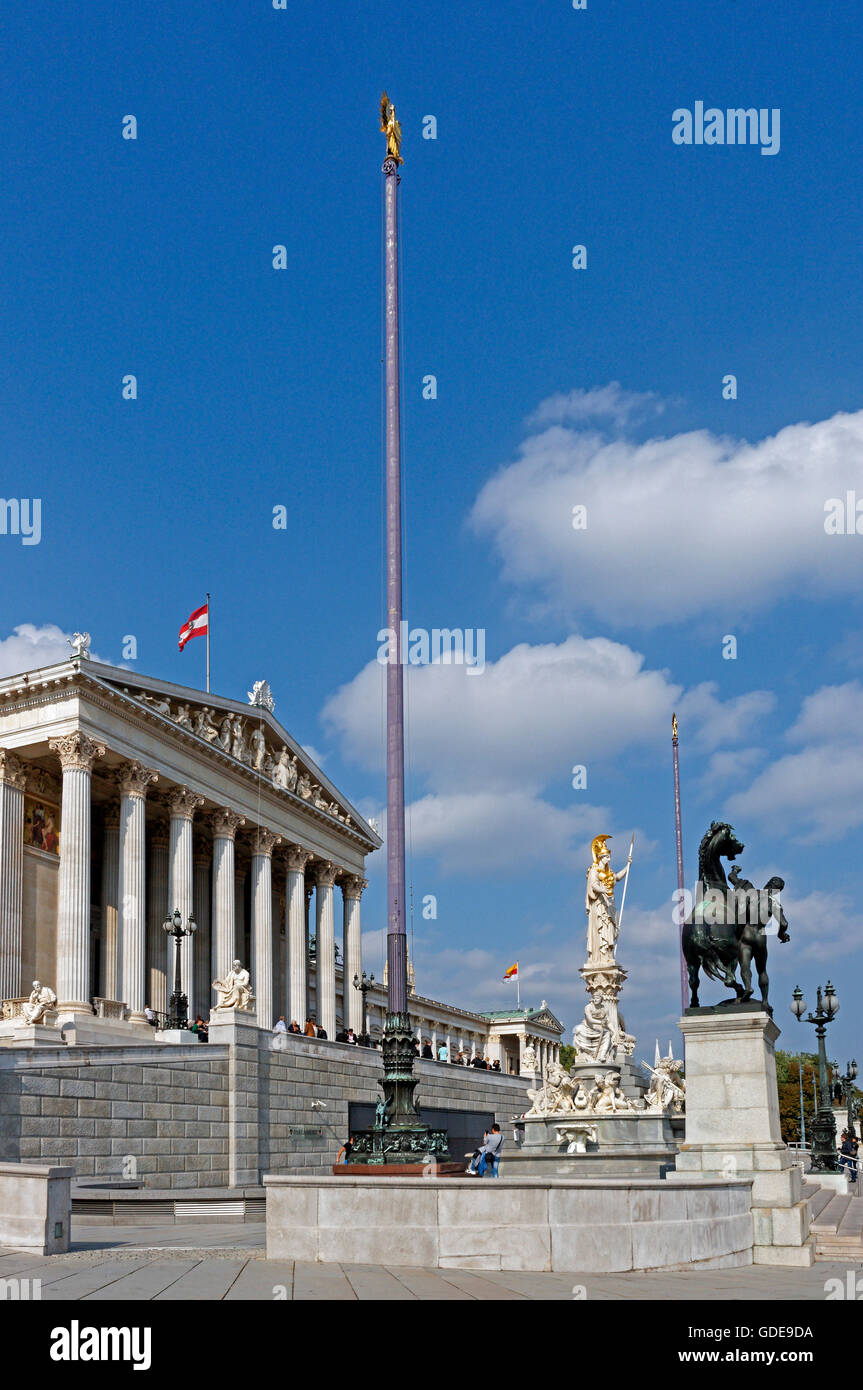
[238,1029]
[732,1125]
[14,1032]
[176,1035]
[577,1145]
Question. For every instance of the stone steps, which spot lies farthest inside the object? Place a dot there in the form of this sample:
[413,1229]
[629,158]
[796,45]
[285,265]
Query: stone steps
[836,1222]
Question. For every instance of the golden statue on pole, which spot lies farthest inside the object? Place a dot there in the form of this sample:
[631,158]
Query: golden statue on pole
[391,129]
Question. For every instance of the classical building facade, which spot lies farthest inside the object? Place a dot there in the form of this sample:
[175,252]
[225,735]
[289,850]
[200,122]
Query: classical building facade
[123,798]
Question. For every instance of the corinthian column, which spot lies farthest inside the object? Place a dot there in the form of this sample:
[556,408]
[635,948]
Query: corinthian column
[352,951]
[109,974]
[325,939]
[77,753]
[12,783]
[263,844]
[157,909]
[295,912]
[202,869]
[183,805]
[225,824]
[132,892]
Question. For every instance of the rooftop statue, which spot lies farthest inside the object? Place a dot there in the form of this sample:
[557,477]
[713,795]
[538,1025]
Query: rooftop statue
[391,129]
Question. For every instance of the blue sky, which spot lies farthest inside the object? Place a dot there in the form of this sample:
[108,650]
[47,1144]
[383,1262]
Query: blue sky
[259,387]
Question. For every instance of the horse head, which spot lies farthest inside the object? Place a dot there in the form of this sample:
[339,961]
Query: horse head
[719,842]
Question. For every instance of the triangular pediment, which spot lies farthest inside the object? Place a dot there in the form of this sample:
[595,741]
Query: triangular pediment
[249,735]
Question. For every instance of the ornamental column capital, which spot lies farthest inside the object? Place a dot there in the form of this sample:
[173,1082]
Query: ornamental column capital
[13,772]
[264,841]
[183,804]
[325,873]
[352,885]
[133,779]
[77,751]
[297,858]
[226,822]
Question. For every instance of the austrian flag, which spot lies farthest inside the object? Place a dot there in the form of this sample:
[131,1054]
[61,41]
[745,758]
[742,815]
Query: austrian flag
[512,972]
[197,625]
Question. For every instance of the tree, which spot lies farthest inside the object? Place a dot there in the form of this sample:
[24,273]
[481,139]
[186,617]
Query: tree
[788,1066]
[567,1056]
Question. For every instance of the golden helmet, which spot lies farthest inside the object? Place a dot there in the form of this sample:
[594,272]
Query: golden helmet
[599,847]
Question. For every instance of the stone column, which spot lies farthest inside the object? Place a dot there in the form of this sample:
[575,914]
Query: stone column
[201,867]
[225,824]
[280,957]
[325,936]
[77,753]
[263,843]
[109,971]
[183,805]
[132,889]
[12,784]
[295,929]
[352,950]
[309,889]
[157,911]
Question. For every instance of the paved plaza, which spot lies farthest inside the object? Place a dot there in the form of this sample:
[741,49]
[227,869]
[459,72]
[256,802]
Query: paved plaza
[223,1261]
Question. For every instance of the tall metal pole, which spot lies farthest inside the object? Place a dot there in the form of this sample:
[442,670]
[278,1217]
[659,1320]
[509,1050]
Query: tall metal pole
[802,1116]
[396,934]
[684,983]
[208,644]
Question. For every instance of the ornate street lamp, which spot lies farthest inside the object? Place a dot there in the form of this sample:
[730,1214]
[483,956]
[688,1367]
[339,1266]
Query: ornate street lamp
[179,1008]
[848,1088]
[824,1156]
[364,985]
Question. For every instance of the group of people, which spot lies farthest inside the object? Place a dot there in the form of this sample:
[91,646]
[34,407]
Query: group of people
[310,1029]
[200,1025]
[848,1147]
[486,1158]
[461,1059]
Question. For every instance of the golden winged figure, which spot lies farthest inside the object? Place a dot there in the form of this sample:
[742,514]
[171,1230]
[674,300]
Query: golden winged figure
[391,129]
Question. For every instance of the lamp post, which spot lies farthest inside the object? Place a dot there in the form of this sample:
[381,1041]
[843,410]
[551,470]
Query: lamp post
[179,1007]
[847,1084]
[364,985]
[824,1156]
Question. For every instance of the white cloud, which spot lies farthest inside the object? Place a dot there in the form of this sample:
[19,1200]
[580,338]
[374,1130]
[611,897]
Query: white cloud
[30,646]
[609,402]
[501,832]
[525,722]
[678,526]
[816,792]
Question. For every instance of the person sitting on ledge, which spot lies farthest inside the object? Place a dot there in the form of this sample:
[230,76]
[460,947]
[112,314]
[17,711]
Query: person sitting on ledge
[151,1017]
[294,1027]
[427,1051]
[281,1026]
[341,1035]
[351,1037]
[310,1030]
[202,1029]
[495,1066]
[488,1155]
[443,1053]
[322,1032]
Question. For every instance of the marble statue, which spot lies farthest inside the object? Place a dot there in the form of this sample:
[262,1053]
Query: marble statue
[238,742]
[599,903]
[320,800]
[605,1097]
[226,729]
[156,702]
[258,747]
[529,1060]
[285,770]
[556,1096]
[183,717]
[235,991]
[261,696]
[80,644]
[593,1038]
[667,1089]
[304,786]
[204,726]
[40,1001]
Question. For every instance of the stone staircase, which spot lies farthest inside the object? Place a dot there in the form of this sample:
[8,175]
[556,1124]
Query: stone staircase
[836,1222]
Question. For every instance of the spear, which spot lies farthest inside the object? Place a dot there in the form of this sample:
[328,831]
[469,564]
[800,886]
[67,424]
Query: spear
[625,882]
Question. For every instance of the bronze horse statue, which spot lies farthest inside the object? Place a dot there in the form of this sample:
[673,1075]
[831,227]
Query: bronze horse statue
[728,926]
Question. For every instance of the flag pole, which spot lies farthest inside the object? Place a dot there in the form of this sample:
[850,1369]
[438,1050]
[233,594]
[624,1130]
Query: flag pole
[684,990]
[517,988]
[208,644]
